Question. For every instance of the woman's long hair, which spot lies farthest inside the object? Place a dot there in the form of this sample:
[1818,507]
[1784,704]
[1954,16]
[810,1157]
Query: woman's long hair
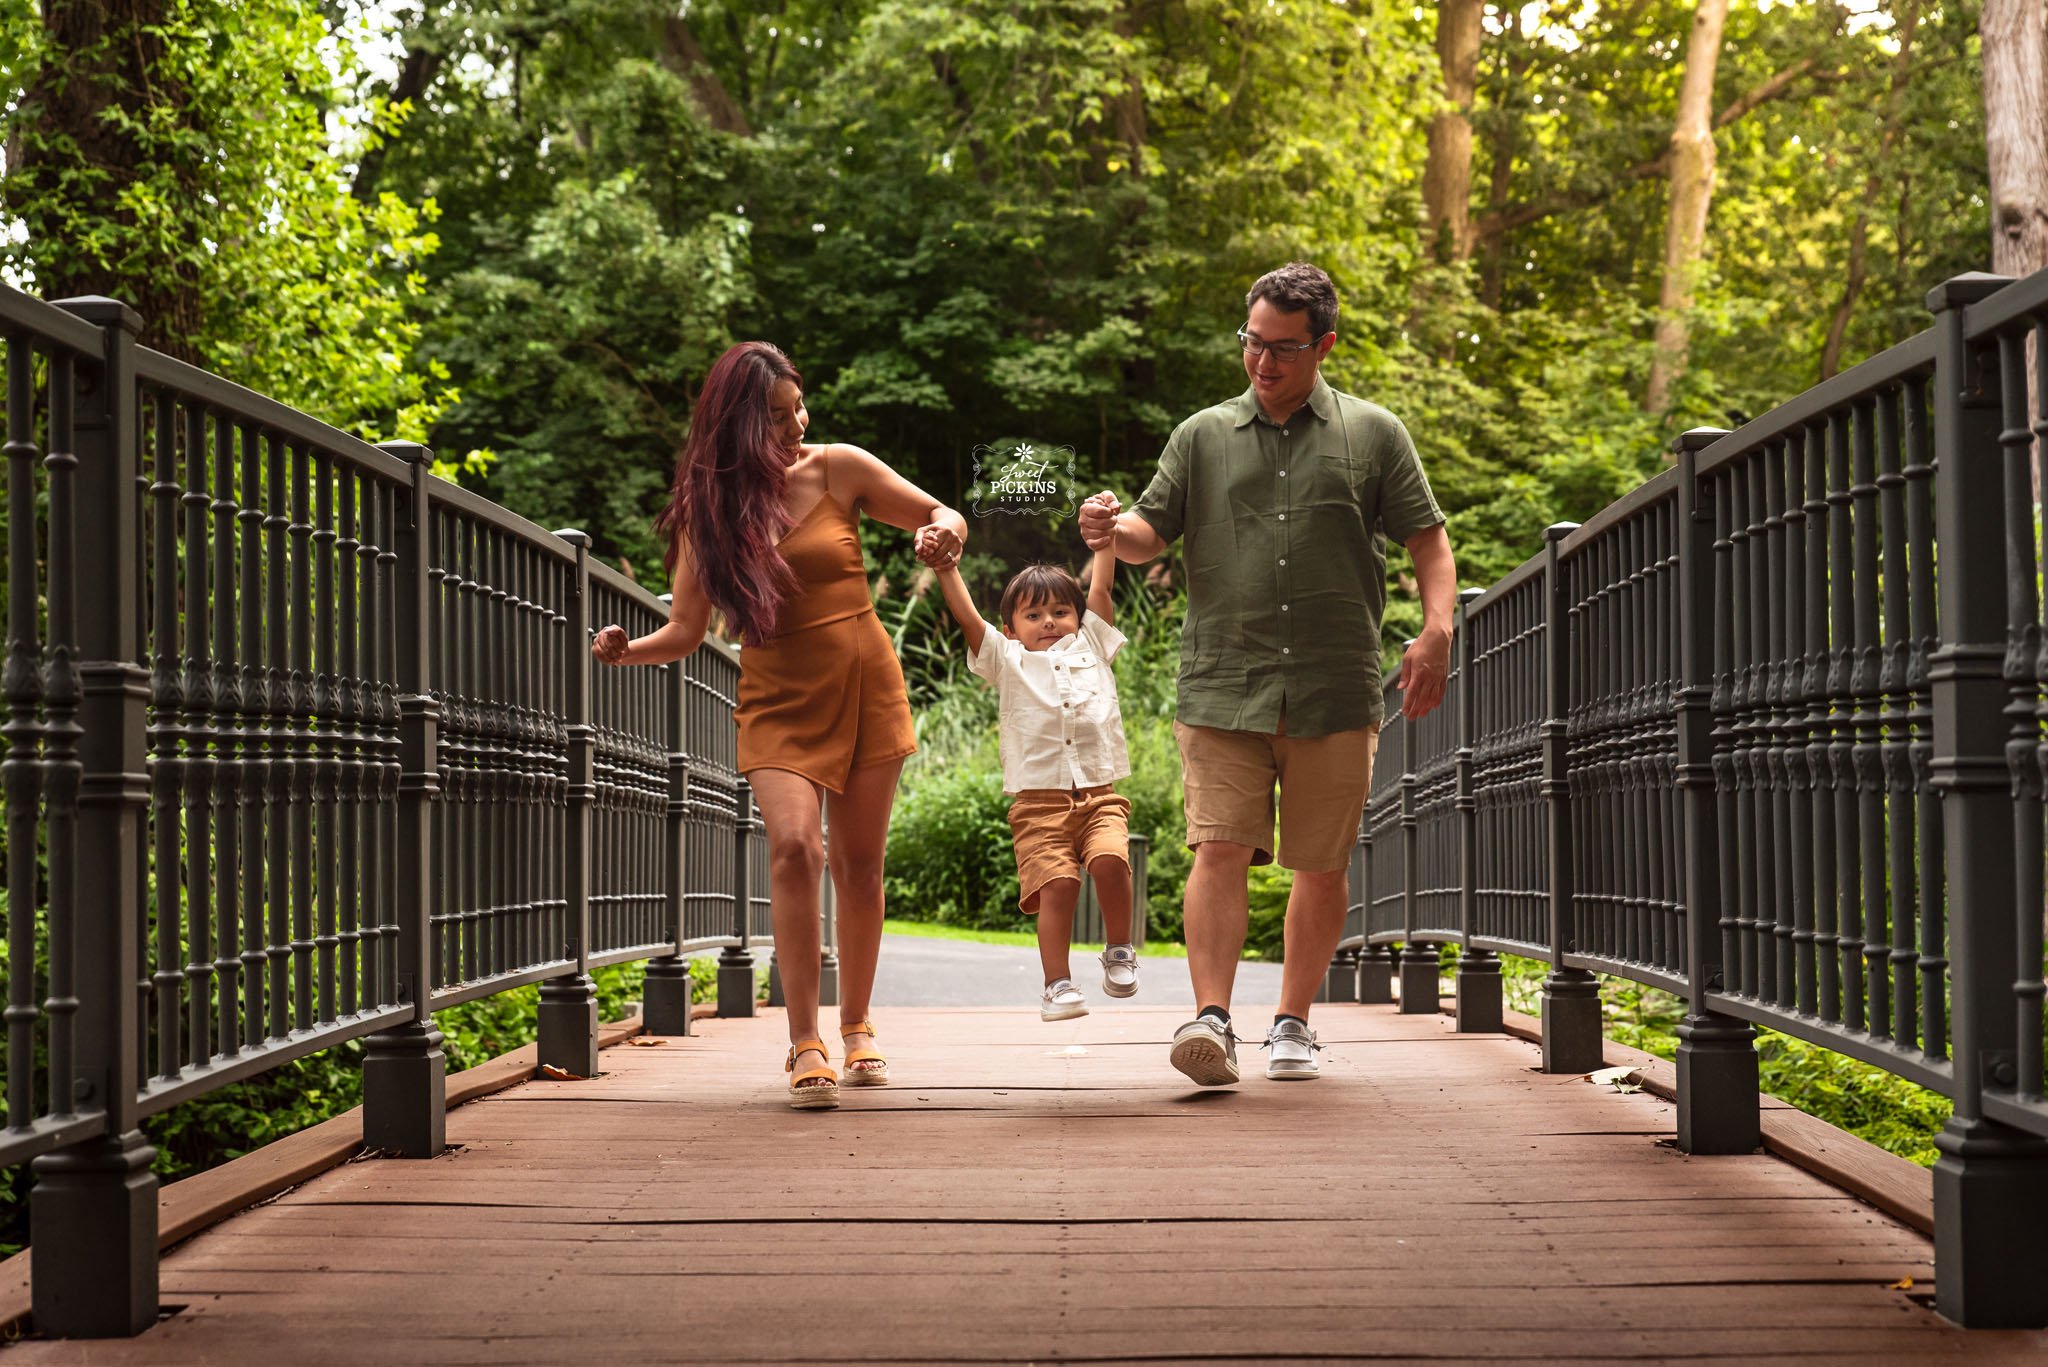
[728,494]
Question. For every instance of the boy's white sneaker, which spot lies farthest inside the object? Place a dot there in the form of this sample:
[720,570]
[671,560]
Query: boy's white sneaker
[1062,1001]
[1293,1057]
[1120,971]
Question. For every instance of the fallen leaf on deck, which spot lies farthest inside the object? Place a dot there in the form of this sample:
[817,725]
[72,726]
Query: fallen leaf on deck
[1608,1074]
[1903,1284]
[645,1041]
[554,1074]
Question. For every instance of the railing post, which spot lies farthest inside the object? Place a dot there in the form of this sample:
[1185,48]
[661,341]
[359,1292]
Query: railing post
[1572,1040]
[665,995]
[1479,995]
[568,1004]
[1717,1065]
[735,964]
[1141,893]
[94,1205]
[404,1071]
[1991,1181]
[1418,962]
[1375,962]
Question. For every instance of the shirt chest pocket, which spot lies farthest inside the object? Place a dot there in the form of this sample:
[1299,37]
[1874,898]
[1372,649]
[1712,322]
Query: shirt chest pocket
[1341,479]
[1082,673]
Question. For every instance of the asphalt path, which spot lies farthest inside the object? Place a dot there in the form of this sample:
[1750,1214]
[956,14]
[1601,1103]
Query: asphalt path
[917,971]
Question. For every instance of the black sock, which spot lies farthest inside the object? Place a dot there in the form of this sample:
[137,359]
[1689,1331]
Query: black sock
[1218,1012]
[1283,1016]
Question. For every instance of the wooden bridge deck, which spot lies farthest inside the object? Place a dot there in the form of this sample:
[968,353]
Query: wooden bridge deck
[1031,1192]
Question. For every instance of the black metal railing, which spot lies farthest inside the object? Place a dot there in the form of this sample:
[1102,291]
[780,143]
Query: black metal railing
[1769,733]
[302,745]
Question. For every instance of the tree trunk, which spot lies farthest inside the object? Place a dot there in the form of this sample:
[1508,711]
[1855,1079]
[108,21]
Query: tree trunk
[683,55]
[1447,175]
[76,163]
[1692,194]
[2016,132]
[1506,142]
[1873,186]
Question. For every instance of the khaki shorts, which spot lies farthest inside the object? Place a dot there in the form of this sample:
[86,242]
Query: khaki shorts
[1229,778]
[1058,833]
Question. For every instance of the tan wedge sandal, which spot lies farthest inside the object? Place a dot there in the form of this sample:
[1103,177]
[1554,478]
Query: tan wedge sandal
[804,1094]
[864,1077]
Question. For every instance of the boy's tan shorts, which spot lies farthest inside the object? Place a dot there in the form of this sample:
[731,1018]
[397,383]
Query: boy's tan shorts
[1058,833]
[1229,778]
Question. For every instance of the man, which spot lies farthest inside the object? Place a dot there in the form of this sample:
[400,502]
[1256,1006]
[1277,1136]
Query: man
[1286,497]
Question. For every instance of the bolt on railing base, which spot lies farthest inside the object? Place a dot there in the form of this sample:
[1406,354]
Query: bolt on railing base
[1340,982]
[665,996]
[1990,1206]
[1376,976]
[735,982]
[568,1025]
[1419,979]
[1717,1082]
[405,1092]
[1479,993]
[1572,1041]
[828,979]
[94,1211]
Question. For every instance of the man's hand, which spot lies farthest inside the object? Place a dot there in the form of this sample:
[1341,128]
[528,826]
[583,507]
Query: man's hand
[1425,668]
[937,545]
[609,645]
[1098,520]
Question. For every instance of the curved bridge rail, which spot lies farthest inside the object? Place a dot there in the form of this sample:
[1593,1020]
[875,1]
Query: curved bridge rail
[1769,733]
[302,745]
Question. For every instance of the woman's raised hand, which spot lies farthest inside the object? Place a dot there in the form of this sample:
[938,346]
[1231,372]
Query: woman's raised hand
[609,645]
[937,545]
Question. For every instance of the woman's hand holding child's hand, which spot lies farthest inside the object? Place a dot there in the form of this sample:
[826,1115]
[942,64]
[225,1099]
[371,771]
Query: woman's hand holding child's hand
[937,546]
[609,645]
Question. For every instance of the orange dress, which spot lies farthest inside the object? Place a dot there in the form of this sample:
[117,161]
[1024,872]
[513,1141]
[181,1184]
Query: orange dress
[825,696]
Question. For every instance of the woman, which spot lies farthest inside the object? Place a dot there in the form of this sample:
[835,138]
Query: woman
[763,528]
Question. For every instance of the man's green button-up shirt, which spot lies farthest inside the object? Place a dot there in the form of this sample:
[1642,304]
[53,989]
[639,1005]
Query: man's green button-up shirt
[1286,528]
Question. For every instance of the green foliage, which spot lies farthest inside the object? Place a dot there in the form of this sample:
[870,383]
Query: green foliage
[235,215]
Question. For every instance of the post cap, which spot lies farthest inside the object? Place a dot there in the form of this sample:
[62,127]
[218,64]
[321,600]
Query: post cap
[1467,595]
[409,451]
[1558,531]
[103,312]
[573,536]
[1697,438]
[1961,291]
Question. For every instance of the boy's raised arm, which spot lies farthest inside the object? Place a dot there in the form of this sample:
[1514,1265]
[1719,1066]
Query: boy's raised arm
[955,590]
[1101,576]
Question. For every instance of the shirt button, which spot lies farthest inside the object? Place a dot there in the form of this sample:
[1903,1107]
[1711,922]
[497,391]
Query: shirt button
[1283,517]
[1283,474]
[1283,607]
[1283,650]
[1283,559]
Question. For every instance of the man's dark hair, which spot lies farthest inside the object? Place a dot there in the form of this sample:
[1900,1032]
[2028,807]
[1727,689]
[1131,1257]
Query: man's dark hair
[1041,584]
[1298,287]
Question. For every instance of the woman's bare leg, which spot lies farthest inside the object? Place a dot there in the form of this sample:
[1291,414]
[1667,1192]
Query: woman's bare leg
[860,830]
[789,807]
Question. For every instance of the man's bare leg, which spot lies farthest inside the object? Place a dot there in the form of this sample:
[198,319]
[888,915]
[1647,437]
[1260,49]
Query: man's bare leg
[1217,910]
[1315,922]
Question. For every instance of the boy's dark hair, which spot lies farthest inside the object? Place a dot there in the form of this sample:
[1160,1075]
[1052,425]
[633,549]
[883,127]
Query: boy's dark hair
[1298,287]
[1042,584]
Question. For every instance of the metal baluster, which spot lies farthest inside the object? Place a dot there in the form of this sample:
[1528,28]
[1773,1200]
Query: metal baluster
[255,737]
[277,709]
[167,684]
[327,771]
[1793,591]
[1898,772]
[350,745]
[1841,723]
[22,771]
[197,687]
[1863,683]
[231,741]
[1782,986]
[1814,684]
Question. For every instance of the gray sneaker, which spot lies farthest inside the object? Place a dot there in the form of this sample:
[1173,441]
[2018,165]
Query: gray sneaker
[1120,971]
[1206,1050]
[1294,1052]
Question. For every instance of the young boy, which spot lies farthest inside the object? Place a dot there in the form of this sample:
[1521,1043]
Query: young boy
[1062,748]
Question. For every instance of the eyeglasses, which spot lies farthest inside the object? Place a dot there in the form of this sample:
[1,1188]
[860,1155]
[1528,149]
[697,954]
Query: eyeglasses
[1285,351]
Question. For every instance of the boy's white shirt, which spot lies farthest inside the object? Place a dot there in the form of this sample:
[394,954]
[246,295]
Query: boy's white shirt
[1059,723]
